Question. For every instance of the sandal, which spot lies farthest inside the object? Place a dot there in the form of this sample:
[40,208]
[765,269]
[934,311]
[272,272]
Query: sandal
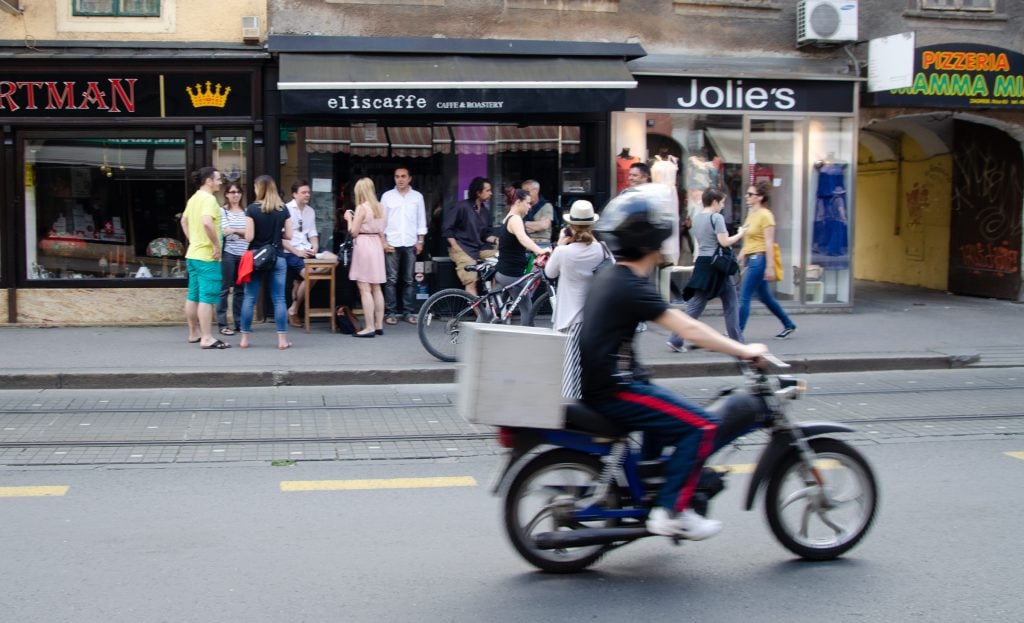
[293,320]
[391,320]
[217,345]
[226,331]
[411,319]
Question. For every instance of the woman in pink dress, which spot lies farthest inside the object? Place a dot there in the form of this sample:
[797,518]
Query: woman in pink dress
[367,224]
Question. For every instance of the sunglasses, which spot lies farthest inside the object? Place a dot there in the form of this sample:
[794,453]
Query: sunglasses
[753,195]
[234,192]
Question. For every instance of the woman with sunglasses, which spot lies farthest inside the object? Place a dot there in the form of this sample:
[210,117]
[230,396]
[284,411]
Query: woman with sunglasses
[233,227]
[758,255]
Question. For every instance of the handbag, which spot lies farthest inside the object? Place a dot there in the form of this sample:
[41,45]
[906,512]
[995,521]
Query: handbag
[345,251]
[265,257]
[779,274]
[606,260]
[724,261]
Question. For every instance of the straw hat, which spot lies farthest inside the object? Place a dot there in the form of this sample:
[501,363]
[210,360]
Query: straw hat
[581,213]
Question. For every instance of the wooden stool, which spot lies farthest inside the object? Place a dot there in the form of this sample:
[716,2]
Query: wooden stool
[320,270]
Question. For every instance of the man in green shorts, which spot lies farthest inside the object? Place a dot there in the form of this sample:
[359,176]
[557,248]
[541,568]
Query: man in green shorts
[201,224]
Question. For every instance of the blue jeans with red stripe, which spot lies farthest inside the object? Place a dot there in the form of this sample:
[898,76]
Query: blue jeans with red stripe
[667,420]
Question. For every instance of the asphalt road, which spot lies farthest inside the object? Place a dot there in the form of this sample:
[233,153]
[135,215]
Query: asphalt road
[226,543]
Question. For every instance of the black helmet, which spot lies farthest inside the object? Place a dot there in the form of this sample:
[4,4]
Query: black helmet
[637,221]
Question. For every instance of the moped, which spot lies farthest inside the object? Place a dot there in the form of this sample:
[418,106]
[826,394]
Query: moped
[573,494]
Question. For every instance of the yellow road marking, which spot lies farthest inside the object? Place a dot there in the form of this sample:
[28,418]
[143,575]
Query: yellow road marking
[28,492]
[378,483]
[748,468]
[1016,455]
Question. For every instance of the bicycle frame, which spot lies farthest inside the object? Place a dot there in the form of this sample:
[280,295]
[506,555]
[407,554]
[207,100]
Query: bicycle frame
[501,308]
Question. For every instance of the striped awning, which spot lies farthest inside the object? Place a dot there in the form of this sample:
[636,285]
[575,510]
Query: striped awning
[423,142]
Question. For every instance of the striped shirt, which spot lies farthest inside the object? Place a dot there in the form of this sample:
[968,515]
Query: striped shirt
[234,244]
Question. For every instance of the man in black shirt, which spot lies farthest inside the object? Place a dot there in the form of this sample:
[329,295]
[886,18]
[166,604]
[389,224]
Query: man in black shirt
[634,225]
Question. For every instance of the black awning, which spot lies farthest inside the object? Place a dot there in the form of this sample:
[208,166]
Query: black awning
[390,84]
[313,72]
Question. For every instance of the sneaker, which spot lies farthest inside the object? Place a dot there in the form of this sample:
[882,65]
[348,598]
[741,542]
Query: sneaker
[676,348]
[781,335]
[688,524]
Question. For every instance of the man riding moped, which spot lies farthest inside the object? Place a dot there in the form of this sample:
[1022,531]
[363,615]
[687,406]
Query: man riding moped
[634,225]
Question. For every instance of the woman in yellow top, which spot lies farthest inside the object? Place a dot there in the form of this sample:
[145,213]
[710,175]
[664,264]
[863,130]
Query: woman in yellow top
[758,257]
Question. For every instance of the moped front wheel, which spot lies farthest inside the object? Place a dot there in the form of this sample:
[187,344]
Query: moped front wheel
[822,521]
[439,320]
[543,497]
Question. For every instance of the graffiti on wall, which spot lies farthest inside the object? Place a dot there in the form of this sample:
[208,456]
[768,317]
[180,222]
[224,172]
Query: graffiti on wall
[985,225]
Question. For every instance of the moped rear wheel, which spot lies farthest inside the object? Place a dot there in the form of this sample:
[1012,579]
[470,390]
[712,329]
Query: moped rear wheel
[439,321]
[542,498]
[822,522]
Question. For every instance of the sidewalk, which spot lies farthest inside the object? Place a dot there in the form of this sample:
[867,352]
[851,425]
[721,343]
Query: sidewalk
[890,327]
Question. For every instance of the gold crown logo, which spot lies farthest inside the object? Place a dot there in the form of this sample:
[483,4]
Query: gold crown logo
[212,98]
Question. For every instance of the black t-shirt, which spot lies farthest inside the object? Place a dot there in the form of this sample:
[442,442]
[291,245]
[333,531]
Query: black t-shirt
[512,259]
[269,226]
[617,302]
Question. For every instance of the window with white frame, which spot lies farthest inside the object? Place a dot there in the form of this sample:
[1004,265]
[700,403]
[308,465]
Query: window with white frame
[959,5]
[116,8]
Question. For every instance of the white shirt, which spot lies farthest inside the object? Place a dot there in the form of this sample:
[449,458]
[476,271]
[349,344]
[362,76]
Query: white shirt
[574,266]
[407,217]
[303,225]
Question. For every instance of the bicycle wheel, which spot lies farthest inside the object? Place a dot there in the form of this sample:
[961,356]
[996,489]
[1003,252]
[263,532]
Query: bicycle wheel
[821,523]
[543,311]
[439,320]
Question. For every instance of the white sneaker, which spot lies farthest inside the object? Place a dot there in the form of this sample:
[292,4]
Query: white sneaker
[688,524]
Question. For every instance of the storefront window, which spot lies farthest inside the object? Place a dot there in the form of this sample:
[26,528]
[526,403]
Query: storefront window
[805,159]
[442,159]
[827,274]
[104,207]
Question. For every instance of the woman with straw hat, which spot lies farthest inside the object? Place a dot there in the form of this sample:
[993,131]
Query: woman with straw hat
[574,261]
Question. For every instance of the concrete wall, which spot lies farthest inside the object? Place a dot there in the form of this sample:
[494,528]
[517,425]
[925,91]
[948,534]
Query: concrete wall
[902,217]
[179,20]
[659,25]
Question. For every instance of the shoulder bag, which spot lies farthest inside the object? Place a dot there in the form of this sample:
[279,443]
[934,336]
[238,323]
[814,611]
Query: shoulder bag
[265,257]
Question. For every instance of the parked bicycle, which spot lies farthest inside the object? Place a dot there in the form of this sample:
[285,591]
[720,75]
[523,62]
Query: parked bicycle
[441,314]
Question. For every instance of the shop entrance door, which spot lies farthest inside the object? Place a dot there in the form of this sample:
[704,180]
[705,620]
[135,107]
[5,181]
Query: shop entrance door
[985,226]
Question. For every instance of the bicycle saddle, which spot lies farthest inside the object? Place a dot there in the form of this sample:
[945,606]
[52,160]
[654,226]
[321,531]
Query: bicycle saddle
[580,417]
[486,270]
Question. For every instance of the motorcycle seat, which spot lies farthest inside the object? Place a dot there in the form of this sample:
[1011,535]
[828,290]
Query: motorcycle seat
[580,417]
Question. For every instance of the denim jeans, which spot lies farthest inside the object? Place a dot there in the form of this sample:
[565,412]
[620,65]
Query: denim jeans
[667,420]
[754,283]
[252,289]
[229,273]
[730,311]
[400,267]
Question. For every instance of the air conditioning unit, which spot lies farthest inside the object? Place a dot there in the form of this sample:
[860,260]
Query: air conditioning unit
[250,28]
[826,21]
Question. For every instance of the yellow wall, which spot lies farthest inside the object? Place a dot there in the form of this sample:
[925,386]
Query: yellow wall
[180,20]
[902,218]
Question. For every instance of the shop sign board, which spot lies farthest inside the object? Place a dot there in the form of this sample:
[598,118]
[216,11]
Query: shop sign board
[125,93]
[960,75]
[741,95]
[388,102]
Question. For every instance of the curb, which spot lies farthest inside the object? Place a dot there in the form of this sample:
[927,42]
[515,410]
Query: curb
[446,374]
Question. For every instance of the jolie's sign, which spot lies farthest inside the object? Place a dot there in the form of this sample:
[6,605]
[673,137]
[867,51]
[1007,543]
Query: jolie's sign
[741,95]
[960,75]
[125,94]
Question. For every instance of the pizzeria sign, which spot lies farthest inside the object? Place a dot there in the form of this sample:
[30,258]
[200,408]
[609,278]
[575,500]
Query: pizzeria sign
[959,75]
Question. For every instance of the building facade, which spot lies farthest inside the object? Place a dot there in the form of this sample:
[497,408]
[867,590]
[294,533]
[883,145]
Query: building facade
[105,106]
[105,109]
[940,184]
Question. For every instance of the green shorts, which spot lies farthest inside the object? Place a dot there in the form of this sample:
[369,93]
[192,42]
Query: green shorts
[204,280]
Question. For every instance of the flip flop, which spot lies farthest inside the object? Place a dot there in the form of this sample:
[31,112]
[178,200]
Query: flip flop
[227,331]
[195,341]
[411,319]
[217,345]
[285,347]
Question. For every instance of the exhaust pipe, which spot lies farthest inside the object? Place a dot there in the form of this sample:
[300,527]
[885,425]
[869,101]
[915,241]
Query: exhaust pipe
[588,536]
